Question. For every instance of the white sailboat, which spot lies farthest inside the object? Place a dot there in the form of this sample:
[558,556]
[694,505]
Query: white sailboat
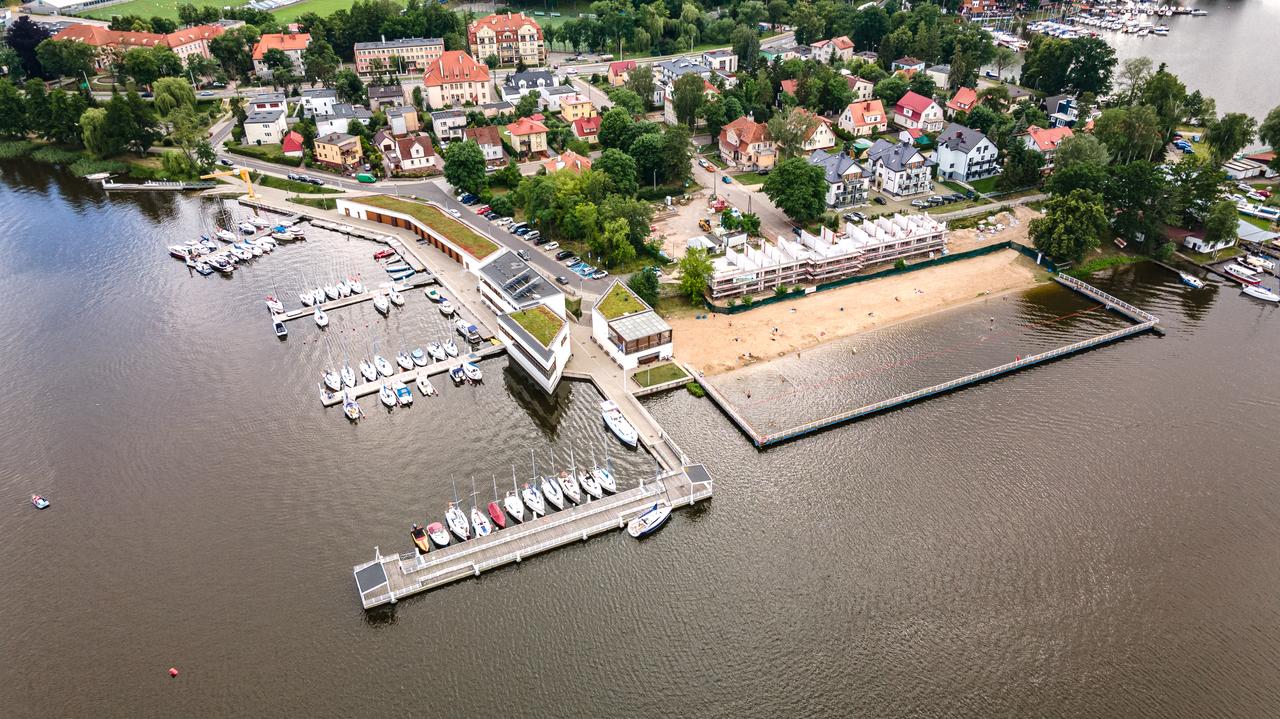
[419,356]
[396,298]
[387,395]
[274,305]
[450,348]
[332,380]
[321,318]
[368,371]
[603,475]
[380,303]
[383,366]
[589,484]
[455,518]
[533,500]
[479,522]
[404,360]
[436,351]
[550,489]
[350,407]
[512,502]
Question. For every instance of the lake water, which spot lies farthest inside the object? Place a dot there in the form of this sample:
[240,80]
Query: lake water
[1099,536]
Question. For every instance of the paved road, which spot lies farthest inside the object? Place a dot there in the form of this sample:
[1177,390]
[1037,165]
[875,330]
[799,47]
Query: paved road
[998,205]
[773,222]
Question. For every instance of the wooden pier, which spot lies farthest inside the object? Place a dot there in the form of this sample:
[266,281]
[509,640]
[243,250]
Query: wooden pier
[157,185]
[329,399]
[1145,321]
[388,579]
[330,305]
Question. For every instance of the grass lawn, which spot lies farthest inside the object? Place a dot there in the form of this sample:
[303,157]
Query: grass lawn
[169,9]
[954,206]
[1218,256]
[985,185]
[302,188]
[658,375]
[540,322]
[476,245]
[749,178]
[320,203]
[620,301]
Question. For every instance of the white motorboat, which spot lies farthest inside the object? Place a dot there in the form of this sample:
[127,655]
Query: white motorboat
[480,523]
[432,294]
[275,305]
[649,522]
[1242,273]
[569,485]
[383,366]
[343,288]
[254,250]
[387,395]
[350,407]
[283,236]
[450,348]
[396,298]
[266,243]
[446,307]
[348,375]
[419,356]
[533,500]
[259,223]
[380,303]
[225,235]
[368,371]
[551,492]
[590,485]
[1191,281]
[1260,263]
[246,228]
[472,372]
[457,522]
[462,327]
[332,380]
[438,534]
[404,360]
[424,385]
[241,253]
[281,331]
[618,424]
[403,395]
[437,352]
[357,287]
[1261,293]
[331,291]
[321,318]
[604,477]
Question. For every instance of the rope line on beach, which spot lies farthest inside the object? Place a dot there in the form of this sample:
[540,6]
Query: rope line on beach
[916,358]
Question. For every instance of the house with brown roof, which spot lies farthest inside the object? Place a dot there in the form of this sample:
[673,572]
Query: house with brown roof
[861,87]
[111,44]
[454,79]
[864,118]
[568,160]
[745,144]
[490,142]
[338,151]
[964,100]
[908,65]
[407,154]
[527,136]
[511,37]
[1046,141]
[820,136]
[290,43]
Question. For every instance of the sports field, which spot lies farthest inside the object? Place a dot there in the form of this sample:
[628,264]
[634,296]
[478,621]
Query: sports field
[169,8]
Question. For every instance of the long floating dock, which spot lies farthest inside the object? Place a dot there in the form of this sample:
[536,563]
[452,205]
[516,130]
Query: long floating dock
[329,399]
[330,305]
[388,579]
[1145,322]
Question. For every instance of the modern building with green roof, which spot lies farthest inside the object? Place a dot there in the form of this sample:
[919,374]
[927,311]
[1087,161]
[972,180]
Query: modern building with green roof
[628,329]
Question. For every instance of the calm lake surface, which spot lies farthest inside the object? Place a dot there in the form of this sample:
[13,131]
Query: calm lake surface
[1095,537]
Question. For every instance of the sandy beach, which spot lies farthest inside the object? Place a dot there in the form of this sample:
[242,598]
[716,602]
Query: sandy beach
[721,343]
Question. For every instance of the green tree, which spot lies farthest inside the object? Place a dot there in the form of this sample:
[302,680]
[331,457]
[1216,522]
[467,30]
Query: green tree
[647,151]
[66,58]
[677,153]
[1076,176]
[1072,225]
[640,81]
[621,169]
[890,90]
[172,93]
[788,130]
[1003,57]
[798,189]
[97,140]
[1138,200]
[10,61]
[348,87]
[65,109]
[24,36]
[1092,60]
[1222,224]
[13,111]
[612,245]
[464,166]
[750,223]
[502,205]
[624,98]
[205,154]
[528,104]
[320,61]
[1133,76]
[688,98]
[37,105]
[1229,135]
[1165,94]
[614,126]
[1195,184]
[1080,148]
[645,284]
[188,129]
[695,273]
[233,49]
[1269,130]
[1022,167]
[1129,133]
[746,42]
[637,214]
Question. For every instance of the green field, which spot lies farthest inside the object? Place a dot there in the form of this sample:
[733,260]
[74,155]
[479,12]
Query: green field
[169,8]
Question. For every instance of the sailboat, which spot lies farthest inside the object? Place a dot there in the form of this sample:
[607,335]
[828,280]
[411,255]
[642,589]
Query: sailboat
[357,287]
[322,319]
[404,360]
[495,509]
[332,380]
[387,395]
[478,521]
[343,288]
[380,303]
[650,521]
[348,375]
[384,367]
[456,520]
[472,372]
[331,291]
[550,490]
[275,305]
[533,500]
[588,482]
[419,357]
[436,351]
[368,371]
[603,475]
[450,348]
[396,298]
[569,485]
[512,502]
[350,407]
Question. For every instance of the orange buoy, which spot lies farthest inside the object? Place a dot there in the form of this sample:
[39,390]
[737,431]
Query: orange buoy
[173,671]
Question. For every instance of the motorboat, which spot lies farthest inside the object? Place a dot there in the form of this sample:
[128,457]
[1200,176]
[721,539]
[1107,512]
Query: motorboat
[419,356]
[436,350]
[552,492]
[331,291]
[404,360]
[380,303]
[383,253]
[343,288]
[432,294]
[457,375]
[446,307]
[1260,263]
[650,521]
[275,305]
[332,380]
[348,375]
[383,366]
[181,252]
[222,264]
[225,235]
[266,243]
[463,327]
[306,298]
[472,372]
[281,331]
[246,228]
[618,424]
[1261,293]
[403,395]
[259,223]
[204,268]
[241,253]
[396,298]
[387,395]
[321,318]
[283,236]
[356,286]
[424,385]
[568,482]
[450,348]
[532,499]
[39,502]
[254,250]
[420,538]
[457,522]
[1191,281]
[368,371]
[604,477]
[590,485]
[350,407]
[1242,273]
[401,275]
[496,515]
[439,536]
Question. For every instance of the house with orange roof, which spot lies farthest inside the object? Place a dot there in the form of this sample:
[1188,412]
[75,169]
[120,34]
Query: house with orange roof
[620,72]
[454,79]
[820,136]
[510,37]
[965,99]
[527,136]
[1046,141]
[745,144]
[568,160]
[864,118]
[790,87]
[111,44]
[837,48]
[290,43]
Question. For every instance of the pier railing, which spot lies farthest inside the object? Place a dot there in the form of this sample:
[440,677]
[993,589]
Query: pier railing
[1112,302]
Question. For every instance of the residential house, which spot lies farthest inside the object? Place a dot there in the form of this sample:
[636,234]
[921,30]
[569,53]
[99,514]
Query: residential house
[110,45]
[941,75]
[407,154]
[866,117]
[667,72]
[519,84]
[837,48]
[576,106]
[568,160]
[861,87]
[402,120]
[1046,141]
[782,54]
[338,151]
[528,136]
[490,142]
[493,109]
[266,102]
[264,127]
[383,96]
[725,61]
[1018,95]
[340,118]
[290,43]
[550,98]
[291,146]
[408,55]
[965,154]
[511,37]
[448,124]
[964,100]
[847,181]
[899,169]
[917,112]
[867,56]
[455,79]
[620,72]
[789,87]
[628,329]
[745,144]
[908,65]
[979,7]
[820,136]
[587,129]
[318,101]
[1061,109]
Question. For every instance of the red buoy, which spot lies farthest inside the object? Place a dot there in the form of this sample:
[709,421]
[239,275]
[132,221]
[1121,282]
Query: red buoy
[173,671]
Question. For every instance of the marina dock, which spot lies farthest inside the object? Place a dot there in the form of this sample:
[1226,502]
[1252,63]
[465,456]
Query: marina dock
[329,399]
[330,305]
[388,579]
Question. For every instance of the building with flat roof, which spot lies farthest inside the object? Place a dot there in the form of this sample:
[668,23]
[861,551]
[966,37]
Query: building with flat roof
[628,329]
[456,240]
[403,56]
[531,316]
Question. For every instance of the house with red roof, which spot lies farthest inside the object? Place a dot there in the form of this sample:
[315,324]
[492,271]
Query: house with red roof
[291,145]
[527,136]
[837,48]
[111,44]
[745,144]
[568,160]
[587,129]
[917,112]
[790,87]
[290,43]
[864,118]
[620,72]
[454,79]
[1046,141]
[511,37]
[964,100]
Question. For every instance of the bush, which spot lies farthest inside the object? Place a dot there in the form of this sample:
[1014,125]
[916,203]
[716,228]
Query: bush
[696,389]
[900,265]
[10,149]
[56,155]
[88,166]
[780,291]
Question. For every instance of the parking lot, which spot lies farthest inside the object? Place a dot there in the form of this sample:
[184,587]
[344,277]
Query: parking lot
[569,263]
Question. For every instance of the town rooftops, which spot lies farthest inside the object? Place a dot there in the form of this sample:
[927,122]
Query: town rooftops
[639,326]
[337,138]
[859,111]
[505,25]
[399,110]
[960,138]
[586,125]
[964,100]
[526,126]
[896,155]
[682,66]
[1047,140]
[499,106]
[529,78]
[448,115]
[267,98]
[486,135]
[263,116]
[789,86]
[836,165]
[908,61]
[383,92]
[454,66]
[915,102]
[280,41]
[568,160]
[621,66]
[98,36]
[348,111]
[403,42]
[747,130]
[517,282]
[320,92]
[292,142]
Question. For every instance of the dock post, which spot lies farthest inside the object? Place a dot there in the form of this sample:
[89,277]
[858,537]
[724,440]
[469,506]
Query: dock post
[476,570]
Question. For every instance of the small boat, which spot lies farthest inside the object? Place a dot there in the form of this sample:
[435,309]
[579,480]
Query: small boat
[281,330]
[1242,273]
[590,485]
[457,375]
[204,268]
[649,522]
[479,523]
[396,298]
[380,304]
[181,252]
[511,502]
[1260,263]
[283,236]
[259,223]
[348,375]
[463,327]
[275,305]
[246,228]
[332,292]
[39,501]
[605,478]
[225,235]
[383,254]
[419,357]
[552,492]
[404,360]
[222,265]
[397,267]
[533,500]
[255,250]
[472,372]
[618,424]
[350,407]
[436,350]
[401,275]
[424,385]
[496,515]
[368,371]
[332,380]
[306,298]
[266,243]
[387,395]
[420,539]
[450,348]
[1261,293]
[321,318]
[1190,281]
[403,395]
[432,294]
[343,288]
[568,482]
[356,286]
[457,522]
[446,307]
[438,535]
[241,253]
[318,295]
[383,366]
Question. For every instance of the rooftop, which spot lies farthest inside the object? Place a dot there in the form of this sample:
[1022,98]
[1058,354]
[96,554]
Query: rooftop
[459,234]
[288,42]
[402,42]
[641,324]
[519,283]
[541,323]
[263,116]
[620,301]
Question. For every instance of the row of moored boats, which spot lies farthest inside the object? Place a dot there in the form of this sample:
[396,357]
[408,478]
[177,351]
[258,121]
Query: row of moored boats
[1250,271]
[206,256]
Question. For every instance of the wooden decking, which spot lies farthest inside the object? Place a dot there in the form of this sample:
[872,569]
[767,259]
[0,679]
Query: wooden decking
[387,579]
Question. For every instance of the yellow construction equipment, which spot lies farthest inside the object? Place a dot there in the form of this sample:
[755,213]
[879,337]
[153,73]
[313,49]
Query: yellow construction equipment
[704,224]
[243,172]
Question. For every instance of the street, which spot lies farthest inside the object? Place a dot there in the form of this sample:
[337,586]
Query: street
[773,222]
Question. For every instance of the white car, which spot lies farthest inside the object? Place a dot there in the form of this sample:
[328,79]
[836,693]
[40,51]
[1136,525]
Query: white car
[454,212]
[551,246]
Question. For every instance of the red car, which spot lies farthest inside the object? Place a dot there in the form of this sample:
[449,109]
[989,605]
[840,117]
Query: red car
[383,253]
[483,209]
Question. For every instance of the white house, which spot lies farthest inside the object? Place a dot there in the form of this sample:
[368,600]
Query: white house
[531,317]
[847,182]
[319,101]
[725,61]
[265,127]
[914,111]
[628,330]
[966,155]
[899,169]
[265,102]
[339,118]
[519,84]
[448,124]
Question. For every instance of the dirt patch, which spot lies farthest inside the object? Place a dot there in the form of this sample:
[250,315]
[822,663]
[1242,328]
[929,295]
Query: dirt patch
[1016,222]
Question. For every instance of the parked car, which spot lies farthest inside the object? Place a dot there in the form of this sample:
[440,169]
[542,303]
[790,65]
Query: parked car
[955,197]
[294,176]
[551,246]
[315,181]
[532,235]
[570,261]
[920,203]
[454,212]
[522,254]
[878,200]
[854,216]
[564,254]
[206,93]
[483,209]
[225,162]
[562,279]
[727,180]
[467,198]
[762,172]
[491,215]
[599,275]
[536,240]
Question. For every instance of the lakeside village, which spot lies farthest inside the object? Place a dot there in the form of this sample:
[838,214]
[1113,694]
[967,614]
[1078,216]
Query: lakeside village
[657,211]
